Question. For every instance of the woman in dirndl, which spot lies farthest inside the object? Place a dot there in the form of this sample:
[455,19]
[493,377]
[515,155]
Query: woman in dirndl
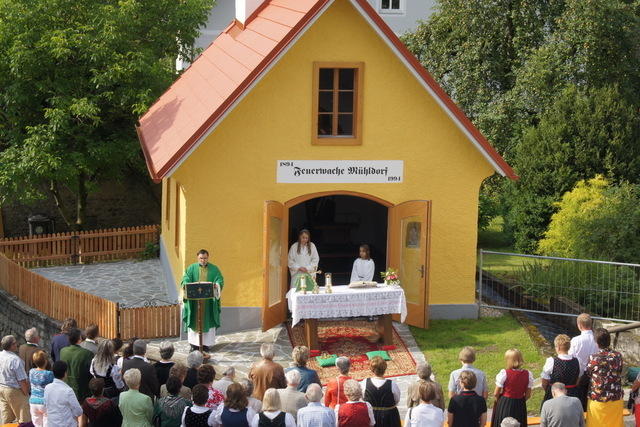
[383,395]
[513,388]
[563,369]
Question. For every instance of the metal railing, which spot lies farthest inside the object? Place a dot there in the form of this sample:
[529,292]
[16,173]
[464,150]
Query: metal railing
[559,286]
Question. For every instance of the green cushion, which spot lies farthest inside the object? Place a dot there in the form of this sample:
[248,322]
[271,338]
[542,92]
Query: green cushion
[380,353]
[327,361]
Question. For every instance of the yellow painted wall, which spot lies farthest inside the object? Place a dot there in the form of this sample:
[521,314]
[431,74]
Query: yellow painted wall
[228,178]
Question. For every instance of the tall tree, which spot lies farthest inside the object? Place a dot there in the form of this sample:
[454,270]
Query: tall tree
[74,77]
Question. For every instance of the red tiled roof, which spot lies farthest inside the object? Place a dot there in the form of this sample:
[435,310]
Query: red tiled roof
[201,96]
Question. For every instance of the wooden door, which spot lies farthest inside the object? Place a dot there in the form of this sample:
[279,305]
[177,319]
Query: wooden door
[408,253]
[274,303]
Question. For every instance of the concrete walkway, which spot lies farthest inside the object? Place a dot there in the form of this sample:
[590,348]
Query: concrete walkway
[130,283]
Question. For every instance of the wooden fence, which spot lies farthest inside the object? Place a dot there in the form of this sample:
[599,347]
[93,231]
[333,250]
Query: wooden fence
[79,247]
[60,301]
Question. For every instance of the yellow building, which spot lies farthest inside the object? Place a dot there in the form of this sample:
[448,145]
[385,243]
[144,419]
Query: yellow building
[312,114]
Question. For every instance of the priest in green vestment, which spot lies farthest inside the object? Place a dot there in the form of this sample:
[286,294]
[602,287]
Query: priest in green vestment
[202,271]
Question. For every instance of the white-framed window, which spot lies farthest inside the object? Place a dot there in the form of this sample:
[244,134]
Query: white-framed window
[391,7]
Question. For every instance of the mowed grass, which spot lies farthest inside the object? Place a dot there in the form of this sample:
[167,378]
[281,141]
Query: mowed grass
[491,337]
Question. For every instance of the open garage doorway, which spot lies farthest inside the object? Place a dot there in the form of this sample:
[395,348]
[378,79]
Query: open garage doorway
[339,224]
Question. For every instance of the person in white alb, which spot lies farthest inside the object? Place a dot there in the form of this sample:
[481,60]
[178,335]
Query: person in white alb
[60,401]
[582,347]
[363,268]
[303,256]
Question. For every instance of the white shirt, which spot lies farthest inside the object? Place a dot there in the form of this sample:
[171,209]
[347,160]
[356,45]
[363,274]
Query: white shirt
[116,375]
[424,415]
[502,377]
[481,380]
[11,369]
[200,410]
[372,418]
[302,259]
[547,369]
[583,346]
[255,404]
[218,415]
[61,404]
[363,269]
[316,415]
[288,418]
[378,382]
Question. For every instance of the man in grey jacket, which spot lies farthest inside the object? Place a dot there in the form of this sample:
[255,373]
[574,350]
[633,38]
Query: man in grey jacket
[562,410]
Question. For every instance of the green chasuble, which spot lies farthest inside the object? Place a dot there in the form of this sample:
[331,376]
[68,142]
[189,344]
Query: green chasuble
[195,273]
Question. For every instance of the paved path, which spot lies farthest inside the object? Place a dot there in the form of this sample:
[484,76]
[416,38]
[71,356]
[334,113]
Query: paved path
[242,349]
[131,283]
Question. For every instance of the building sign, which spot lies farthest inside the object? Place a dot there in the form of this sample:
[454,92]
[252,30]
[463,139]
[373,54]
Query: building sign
[339,171]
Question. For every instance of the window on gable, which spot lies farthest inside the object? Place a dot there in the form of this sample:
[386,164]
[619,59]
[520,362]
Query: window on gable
[337,103]
[391,6]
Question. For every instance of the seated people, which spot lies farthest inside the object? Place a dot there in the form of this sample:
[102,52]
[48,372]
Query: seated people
[363,267]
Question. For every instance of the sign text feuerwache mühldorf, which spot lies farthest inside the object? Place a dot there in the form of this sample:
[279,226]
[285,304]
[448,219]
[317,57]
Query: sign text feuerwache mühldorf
[339,171]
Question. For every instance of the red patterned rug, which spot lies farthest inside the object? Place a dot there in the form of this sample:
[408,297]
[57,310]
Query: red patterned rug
[353,339]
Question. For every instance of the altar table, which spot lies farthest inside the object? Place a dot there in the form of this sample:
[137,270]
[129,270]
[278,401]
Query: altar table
[382,301]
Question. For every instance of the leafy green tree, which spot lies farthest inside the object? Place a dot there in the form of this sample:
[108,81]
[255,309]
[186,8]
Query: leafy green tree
[582,134]
[74,77]
[596,220]
[474,48]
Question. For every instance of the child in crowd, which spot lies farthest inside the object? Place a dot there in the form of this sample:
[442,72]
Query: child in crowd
[513,389]
[198,415]
[363,267]
[425,414]
[467,356]
[467,408]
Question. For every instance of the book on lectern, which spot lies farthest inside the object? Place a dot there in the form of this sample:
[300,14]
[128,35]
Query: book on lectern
[202,290]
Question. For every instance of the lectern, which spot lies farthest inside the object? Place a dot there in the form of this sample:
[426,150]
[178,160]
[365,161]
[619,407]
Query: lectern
[201,291]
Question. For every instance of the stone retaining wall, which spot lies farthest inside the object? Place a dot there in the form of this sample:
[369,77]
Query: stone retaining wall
[16,318]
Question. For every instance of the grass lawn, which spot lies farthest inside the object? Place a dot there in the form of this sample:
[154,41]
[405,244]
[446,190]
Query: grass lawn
[491,337]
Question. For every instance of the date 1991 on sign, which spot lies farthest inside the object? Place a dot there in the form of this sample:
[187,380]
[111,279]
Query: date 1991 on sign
[393,179]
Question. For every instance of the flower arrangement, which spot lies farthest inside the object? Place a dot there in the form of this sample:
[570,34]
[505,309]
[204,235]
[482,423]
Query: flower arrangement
[390,276]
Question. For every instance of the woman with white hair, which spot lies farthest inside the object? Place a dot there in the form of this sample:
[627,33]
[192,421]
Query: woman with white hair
[272,414]
[424,376]
[164,365]
[266,373]
[354,412]
[136,408]
[335,388]
[194,360]
[227,379]
[103,365]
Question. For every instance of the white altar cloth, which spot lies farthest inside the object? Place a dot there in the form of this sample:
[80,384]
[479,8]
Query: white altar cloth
[346,302]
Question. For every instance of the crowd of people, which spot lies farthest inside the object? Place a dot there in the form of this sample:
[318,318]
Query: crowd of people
[95,382]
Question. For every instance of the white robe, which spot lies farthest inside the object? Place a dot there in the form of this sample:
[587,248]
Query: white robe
[363,269]
[302,259]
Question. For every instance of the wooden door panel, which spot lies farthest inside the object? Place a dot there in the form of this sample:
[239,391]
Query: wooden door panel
[408,252]
[273,300]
